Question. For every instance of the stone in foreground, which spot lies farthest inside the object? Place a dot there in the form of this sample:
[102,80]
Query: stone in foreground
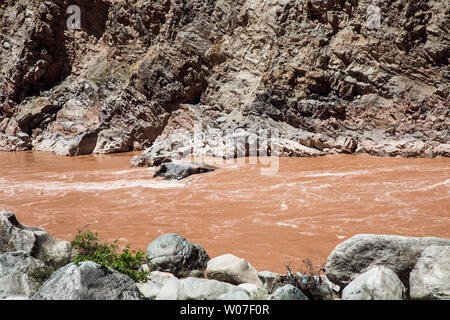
[178,171]
[288,292]
[198,289]
[364,251]
[173,253]
[87,281]
[269,280]
[155,281]
[231,269]
[379,283]
[34,241]
[16,278]
[430,278]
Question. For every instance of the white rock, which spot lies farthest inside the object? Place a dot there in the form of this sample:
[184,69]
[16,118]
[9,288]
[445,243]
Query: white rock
[379,283]
[237,295]
[15,280]
[154,284]
[254,291]
[231,269]
[249,287]
[196,289]
[160,276]
[430,278]
[16,298]
[204,289]
[169,291]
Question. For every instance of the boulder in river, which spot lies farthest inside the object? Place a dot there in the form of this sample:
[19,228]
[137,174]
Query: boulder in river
[16,275]
[34,241]
[178,171]
[379,283]
[234,270]
[364,251]
[430,278]
[173,253]
[87,281]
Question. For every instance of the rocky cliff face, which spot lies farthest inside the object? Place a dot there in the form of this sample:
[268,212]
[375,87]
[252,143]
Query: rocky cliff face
[142,74]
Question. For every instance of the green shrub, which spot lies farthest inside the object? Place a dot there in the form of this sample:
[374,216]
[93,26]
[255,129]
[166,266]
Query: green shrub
[108,255]
[42,274]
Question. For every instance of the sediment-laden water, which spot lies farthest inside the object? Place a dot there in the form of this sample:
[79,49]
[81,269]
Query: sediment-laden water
[304,210]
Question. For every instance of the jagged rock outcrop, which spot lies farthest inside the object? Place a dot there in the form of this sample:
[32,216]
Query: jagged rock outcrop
[326,76]
[33,241]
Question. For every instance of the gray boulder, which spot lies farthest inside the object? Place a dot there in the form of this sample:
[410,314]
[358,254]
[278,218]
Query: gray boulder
[288,292]
[87,281]
[364,251]
[16,278]
[173,253]
[430,278]
[379,283]
[178,171]
[34,241]
[198,289]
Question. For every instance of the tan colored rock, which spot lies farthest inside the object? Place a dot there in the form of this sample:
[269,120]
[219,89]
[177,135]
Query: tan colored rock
[234,270]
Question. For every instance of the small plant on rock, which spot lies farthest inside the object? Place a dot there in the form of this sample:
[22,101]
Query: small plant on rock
[42,274]
[109,255]
[308,280]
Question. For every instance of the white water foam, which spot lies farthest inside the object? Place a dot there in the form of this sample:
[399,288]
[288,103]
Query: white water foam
[89,186]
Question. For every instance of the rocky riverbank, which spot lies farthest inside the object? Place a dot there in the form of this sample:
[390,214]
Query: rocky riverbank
[142,74]
[364,267]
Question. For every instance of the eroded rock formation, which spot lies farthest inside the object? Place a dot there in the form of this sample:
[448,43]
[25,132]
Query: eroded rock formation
[338,76]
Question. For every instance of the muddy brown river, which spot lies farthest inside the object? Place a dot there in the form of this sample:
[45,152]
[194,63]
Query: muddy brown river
[305,210]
